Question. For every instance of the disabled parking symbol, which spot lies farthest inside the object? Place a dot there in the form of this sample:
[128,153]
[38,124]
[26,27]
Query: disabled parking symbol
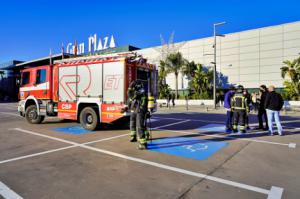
[193,148]
[187,147]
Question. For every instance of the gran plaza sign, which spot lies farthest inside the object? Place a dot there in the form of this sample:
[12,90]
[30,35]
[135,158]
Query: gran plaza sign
[94,44]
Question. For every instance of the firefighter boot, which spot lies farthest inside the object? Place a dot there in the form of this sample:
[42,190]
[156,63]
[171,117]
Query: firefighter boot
[133,136]
[235,130]
[147,135]
[242,128]
[142,144]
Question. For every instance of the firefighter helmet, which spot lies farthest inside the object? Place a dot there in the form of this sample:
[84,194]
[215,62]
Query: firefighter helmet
[240,89]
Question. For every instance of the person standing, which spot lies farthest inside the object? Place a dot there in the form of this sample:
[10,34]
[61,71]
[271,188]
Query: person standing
[173,99]
[248,97]
[138,105]
[273,105]
[227,106]
[254,101]
[261,108]
[240,107]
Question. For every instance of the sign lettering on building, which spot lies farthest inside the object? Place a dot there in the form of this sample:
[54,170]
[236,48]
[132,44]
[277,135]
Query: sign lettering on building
[94,44]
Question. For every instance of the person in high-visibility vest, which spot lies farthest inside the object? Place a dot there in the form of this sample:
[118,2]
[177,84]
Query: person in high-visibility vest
[138,105]
[240,107]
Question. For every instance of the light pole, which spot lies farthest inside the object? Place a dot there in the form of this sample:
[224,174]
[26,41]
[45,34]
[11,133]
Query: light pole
[215,58]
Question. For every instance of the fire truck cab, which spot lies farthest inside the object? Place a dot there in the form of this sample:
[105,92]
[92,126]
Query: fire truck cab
[91,90]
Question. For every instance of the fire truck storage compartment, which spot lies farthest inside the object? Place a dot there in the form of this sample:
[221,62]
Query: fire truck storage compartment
[146,76]
[96,80]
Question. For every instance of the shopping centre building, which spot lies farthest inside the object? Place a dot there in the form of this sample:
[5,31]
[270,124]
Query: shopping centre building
[249,58]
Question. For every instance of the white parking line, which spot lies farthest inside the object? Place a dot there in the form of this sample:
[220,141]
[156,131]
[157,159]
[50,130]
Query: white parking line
[7,193]
[270,193]
[172,124]
[37,154]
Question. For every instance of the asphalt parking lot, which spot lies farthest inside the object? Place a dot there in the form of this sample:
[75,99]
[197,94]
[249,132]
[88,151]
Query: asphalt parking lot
[190,156]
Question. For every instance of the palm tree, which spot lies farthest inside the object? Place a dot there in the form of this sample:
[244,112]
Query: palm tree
[189,69]
[174,63]
[202,81]
[292,70]
[163,87]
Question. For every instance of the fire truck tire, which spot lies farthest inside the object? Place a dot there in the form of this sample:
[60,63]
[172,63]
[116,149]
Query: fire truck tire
[32,116]
[89,118]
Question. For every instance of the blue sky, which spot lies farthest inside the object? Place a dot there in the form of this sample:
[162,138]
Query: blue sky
[28,29]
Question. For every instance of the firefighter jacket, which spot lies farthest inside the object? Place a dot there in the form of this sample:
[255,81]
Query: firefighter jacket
[137,102]
[239,103]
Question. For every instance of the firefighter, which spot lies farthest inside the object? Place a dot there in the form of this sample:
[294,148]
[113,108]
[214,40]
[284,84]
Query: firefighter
[240,108]
[138,105]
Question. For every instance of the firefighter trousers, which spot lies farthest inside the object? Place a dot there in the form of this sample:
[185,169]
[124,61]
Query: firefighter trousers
[239,118]
[137,125]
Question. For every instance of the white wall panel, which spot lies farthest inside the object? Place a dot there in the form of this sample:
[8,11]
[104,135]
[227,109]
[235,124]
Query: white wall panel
[270,69]
[230,51]
[271,30]
[270,76]
[291,43]
[249,34]
[291,27]
[291,35]
[252,77]
[249,42]
[271,46]
[271,38]
[247,56]
[271,61]
[291,52]
[247,49]
[248,63]
[271,53]
[249,70]
[230,58]
[225,46]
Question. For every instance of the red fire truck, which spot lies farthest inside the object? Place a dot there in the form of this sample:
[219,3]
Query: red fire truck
[91,89]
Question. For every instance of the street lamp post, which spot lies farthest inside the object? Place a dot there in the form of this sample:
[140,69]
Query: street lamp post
[215,59]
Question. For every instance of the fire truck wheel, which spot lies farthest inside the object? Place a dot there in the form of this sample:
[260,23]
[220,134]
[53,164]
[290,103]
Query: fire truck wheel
[89,118]
[32,116]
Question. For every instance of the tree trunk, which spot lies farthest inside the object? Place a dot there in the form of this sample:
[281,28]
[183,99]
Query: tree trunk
[176,85]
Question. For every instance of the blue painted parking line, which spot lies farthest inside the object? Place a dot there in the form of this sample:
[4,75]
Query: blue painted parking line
[216,128]
[187,147]
[75,130]
[213,128]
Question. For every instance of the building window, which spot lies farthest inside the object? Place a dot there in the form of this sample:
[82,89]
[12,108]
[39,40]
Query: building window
[25,78]
[41,76]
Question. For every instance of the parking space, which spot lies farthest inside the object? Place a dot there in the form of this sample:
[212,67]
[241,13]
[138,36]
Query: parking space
[190,156]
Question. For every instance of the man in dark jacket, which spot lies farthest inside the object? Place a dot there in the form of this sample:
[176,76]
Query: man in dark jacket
[261,110]
[273,105]
[227,106]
